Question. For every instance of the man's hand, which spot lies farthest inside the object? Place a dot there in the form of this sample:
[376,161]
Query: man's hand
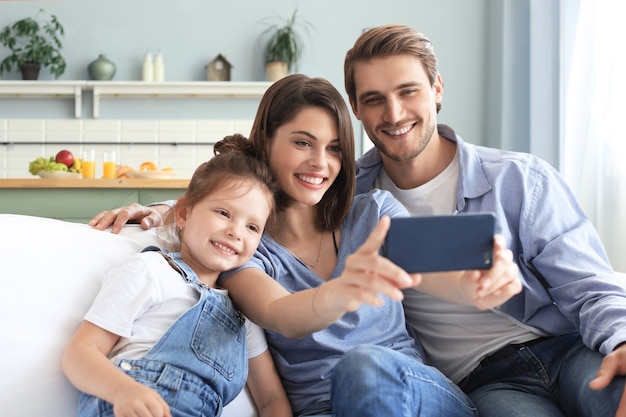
[613,364]
[148,217]
[492,287]
[482,289]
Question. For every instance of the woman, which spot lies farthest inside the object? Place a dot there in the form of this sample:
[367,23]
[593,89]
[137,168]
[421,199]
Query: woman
[321,260]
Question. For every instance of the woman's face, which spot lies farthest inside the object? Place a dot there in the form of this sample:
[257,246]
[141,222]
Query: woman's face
[305,155]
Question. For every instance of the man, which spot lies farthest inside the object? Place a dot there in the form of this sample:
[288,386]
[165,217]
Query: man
[555,349]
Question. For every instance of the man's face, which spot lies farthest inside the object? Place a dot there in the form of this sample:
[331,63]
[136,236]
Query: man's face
[396,104]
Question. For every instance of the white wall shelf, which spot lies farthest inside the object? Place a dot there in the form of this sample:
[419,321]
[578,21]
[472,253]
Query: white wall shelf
[130,89]
[45,89]
[202,89]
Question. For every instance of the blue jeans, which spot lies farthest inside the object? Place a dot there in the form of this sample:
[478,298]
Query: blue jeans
[548,379]
[381,382]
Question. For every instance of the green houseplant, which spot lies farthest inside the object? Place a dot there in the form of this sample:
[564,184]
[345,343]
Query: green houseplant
[33,44]
[284,44]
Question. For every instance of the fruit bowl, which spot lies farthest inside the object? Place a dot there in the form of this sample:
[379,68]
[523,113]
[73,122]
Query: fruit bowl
[59,174]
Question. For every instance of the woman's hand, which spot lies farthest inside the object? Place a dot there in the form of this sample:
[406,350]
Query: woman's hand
[366,276]
[148,217]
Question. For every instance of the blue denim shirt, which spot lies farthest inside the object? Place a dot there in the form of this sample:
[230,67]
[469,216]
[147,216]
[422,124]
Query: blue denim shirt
[569,284]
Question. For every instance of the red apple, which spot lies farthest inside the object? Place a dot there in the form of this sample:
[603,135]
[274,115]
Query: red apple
[65,157]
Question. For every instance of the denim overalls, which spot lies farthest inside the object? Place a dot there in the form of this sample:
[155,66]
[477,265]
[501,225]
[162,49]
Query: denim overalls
[200,363]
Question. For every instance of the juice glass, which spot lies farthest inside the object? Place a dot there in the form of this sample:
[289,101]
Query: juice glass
[89,164]
[109,165]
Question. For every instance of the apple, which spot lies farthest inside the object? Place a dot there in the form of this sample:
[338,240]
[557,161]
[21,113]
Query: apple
[65,157]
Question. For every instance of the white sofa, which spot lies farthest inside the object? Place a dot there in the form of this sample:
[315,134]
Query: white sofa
[50,272]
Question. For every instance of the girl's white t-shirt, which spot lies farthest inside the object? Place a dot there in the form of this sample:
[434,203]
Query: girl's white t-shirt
[141,298]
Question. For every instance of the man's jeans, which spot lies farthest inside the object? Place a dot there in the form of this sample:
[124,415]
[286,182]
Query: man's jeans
[380,382]
[548,379]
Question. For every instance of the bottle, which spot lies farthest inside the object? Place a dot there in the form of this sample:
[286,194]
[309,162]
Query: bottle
[159,70]
[147,70]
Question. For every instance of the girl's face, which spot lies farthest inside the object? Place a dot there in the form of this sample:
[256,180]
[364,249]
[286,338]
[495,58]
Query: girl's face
[223,230]
[305,156]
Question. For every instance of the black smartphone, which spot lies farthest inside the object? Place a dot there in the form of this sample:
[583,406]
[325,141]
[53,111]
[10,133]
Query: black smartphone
[441,242]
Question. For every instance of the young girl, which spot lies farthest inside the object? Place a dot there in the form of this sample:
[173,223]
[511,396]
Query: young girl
[160,338]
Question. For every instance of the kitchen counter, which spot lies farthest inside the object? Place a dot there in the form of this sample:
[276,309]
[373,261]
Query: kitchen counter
[78,200]
[93,183]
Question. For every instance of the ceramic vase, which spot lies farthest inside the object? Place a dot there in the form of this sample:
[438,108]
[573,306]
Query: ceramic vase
[275,70]
[102,69]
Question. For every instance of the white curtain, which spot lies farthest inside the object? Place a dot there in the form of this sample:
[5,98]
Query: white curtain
[593,151]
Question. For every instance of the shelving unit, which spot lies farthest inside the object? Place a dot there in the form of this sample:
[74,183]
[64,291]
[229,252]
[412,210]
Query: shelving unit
[130,89]
[203,89]
[45,89]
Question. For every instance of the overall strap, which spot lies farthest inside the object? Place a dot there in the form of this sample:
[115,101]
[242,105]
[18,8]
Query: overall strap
[186,273]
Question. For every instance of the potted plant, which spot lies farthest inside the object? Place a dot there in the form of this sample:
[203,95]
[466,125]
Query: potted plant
[33,44]
[284,44]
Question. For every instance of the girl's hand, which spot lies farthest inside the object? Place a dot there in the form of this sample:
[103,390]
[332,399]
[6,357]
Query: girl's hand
[367,276]
[139,400]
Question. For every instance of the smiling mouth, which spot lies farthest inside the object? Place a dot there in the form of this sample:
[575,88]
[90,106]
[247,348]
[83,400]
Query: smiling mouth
[224,248]
[399,131]
[311,180]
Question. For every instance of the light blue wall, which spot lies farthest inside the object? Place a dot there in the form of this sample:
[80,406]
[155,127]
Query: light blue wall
[467,35]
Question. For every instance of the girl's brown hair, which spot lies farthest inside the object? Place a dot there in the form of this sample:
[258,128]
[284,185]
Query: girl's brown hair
[280,104]
[234,162]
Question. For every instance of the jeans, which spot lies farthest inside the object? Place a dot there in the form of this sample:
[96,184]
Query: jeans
[549,379]
[380,382]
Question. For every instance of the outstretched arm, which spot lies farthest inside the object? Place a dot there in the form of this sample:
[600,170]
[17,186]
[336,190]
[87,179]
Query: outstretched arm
[86,365]
[482,289]
[366,277]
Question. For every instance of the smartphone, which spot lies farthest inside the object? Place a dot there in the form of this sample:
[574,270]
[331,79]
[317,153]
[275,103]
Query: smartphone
[441,242]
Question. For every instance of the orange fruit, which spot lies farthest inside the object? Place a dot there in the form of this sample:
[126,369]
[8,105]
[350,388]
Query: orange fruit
[166,169]
[148,166]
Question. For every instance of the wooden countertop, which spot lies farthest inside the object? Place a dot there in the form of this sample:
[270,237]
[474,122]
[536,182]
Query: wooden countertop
[93,183]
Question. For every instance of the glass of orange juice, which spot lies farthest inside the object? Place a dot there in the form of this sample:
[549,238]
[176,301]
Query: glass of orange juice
[89,164]
[109,164]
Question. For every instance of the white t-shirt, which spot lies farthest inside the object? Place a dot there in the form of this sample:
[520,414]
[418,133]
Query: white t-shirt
[455,337]
[437,196]
[141,298]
